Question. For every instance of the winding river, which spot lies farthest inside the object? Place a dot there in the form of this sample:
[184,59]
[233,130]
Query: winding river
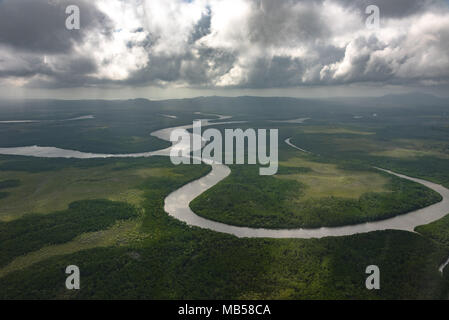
[177,203]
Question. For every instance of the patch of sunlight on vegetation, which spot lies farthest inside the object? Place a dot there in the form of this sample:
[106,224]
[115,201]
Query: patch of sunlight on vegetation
[401,153]
[54,190]
[361,145]
[122,233]
[159,172]
[132,196]
[334,130]
[326,180]
[396,148]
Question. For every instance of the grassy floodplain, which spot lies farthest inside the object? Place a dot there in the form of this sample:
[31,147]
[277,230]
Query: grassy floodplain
[57,183]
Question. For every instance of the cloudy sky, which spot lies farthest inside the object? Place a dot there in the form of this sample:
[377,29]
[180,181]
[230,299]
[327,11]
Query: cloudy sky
[176,48]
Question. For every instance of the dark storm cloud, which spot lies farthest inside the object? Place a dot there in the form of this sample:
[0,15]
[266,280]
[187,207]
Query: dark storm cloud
[195,70]
[392,8]
[202,28]
[276,22]
[275,72]
[39,26]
